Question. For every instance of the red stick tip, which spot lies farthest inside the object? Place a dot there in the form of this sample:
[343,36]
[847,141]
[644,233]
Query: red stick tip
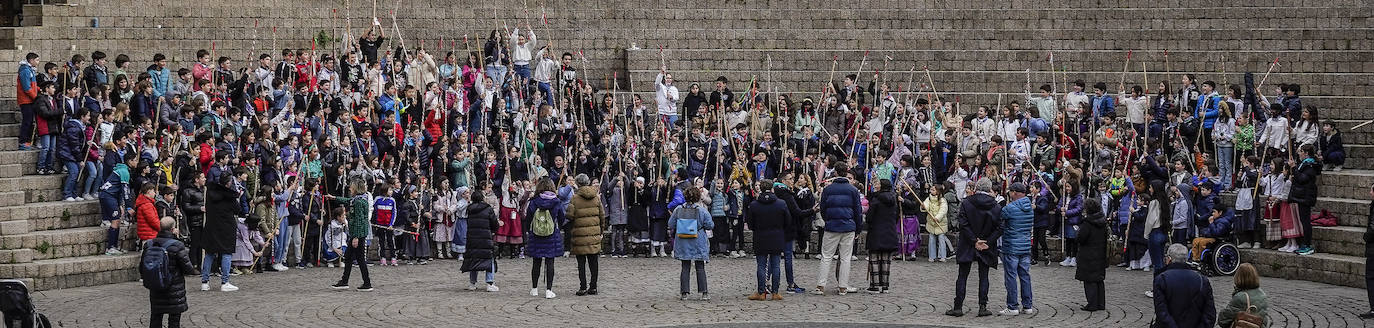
[255,23]
[336,10]
[837,57]
[1276,60]
[865,53]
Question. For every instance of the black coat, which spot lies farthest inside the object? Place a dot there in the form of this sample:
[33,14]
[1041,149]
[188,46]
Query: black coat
[794,212]
[482,224]
[1304,190]
[221,220]
[172,299]
[1092,244]
[769,219]
[191,199]
[881,224]
[1183,298]
[980,217]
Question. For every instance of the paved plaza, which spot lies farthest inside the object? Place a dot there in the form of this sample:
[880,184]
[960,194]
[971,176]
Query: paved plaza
[643,292]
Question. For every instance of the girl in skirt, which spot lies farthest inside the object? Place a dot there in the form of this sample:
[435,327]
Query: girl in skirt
[510,236]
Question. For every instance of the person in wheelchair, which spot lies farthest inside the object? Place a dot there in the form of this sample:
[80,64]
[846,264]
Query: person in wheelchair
[1218,227]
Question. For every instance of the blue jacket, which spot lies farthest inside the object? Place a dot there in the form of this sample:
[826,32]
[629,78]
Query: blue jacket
[1045,205]
[73,138]
[1103,106]
[1207,108]
[1183,298]
[1072,216]
[551,246]
[840,207]
[1019,218]
[1219,228]
[161,78]
[698,248]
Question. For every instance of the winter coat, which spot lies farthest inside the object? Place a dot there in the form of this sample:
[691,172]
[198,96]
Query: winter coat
[883,218]
[552,245]
[937,214]
[613,200]
[1304,189]
[222,209]
[1183,297]
[73,141]
[979,218]
[1073,215]
[482,225]
[840,207]
[1252,297]
[696,249]
[145,209]
[49,115]
[767,216]
[172,299]
[192,198]
[793,211]
[1092,245]
[1018,220]
[586,219]
[1219,228]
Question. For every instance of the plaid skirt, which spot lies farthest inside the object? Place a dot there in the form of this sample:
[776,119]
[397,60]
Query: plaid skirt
[1273,221]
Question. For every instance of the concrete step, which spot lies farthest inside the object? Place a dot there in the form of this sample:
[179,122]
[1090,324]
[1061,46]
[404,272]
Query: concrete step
[1340,240]
[1326,268]
[33,182]
[45,240]
[75,271]
[45,215]
[26,157]
[9,143]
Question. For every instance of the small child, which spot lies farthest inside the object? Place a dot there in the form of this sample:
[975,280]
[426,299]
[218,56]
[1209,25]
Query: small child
[1218,226]
[1246,227]
[248,244]
[1333,150]
[336,238]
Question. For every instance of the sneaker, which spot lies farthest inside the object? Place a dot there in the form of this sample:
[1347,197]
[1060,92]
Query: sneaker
[758,297]
[1008,312]
[27,146]
[1306,250]
[204,286]
[227,287]
[331,264]
[88,196]
[682,297]
[365,287]
[1028,311]
[705,297]
[818,291]
[491,288]
[69,199]
[534,291]
[1150,294]
[983,312]
[472,286]
[847,290]
[1073,262]
[548,294]
[591,291]
[1244,245]
[279,267]
[1064,263]
[1337,168]
[113,251]
[795,290]
[581,292]
[339,285]
[955,312]
[300,266]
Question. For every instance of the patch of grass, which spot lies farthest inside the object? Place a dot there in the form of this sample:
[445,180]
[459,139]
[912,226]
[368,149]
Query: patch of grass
[43,248]
[66,214]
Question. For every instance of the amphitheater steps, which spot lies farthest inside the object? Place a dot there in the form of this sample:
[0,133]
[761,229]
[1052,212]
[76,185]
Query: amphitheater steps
[1344,270]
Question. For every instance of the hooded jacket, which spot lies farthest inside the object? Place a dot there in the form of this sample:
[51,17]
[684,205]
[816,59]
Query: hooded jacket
[1183,207]
[1018,219]
[586,217]
[1092,244]
[552,245]
[882,220]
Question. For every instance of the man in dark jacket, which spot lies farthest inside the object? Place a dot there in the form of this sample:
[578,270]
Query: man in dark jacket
[979,228]
[797,215]
[171,301]
[1183,297]
[192,202]
[479,255]
[843,215]
[769,219]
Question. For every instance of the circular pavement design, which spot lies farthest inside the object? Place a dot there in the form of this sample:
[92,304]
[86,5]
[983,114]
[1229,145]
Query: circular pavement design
[643,292]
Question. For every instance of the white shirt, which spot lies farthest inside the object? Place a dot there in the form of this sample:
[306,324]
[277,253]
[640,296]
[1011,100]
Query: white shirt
[1135,108]
[666,95]
[1275,133]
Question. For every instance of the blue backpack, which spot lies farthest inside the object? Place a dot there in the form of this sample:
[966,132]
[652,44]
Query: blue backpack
[153,267]
[687,228]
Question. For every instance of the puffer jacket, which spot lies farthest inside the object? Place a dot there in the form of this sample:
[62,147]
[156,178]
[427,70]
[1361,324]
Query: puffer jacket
[882,221]
[145,210]
[840,206]
[552,245]
[1019,218]
[1304,189]
[482,224]
[767,216]
[73,139]
[585,220]
[172,299]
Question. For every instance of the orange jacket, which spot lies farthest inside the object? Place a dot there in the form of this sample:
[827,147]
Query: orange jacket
[148,222]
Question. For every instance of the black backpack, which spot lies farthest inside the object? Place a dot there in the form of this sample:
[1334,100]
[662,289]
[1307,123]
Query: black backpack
[154,268]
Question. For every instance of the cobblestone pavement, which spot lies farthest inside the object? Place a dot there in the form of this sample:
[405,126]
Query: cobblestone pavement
[643,292]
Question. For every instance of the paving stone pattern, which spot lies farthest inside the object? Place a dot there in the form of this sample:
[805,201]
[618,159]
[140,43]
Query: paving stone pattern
[643,292]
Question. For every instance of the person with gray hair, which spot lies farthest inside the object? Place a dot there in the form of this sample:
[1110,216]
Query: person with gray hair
[1182,296]
[171,301]
[979,229]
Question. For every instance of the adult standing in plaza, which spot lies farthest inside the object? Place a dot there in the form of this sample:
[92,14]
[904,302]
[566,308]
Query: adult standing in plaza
[171,301]
[979,229]
[1092,251]
[587,218]
[768,218]
[222,208]
[546,240]
[840,206]
[1018,218]
[691,246]
[882,237]
[1183,297]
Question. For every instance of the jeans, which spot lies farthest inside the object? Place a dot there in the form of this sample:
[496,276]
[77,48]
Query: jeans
[522,70]
[1225,160]
[173,320]
[26,121]
[209,260]
[671,119]
[685,285]
[1158,240]
[548,93]
[937,245]
[288,239]
[94,175]
[69,188]
[354,255]
[1017,269]
[490,275]
[844,241]
[497,73]
[45,151]
[767,262]
[961,285]
[787,255]
[583,262]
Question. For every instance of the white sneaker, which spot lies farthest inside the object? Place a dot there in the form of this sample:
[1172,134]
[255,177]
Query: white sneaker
[1008,312]
[472,286]
[113,251]
[548,294]
[847,290]
[534,291]
[279,267]
[227,287]
[204,287]
[492,288]
[81,198]
[1150,293]
[88,196]
[1065,262]
[1244,245]
[331,264]
[69,199]
[1073,262]
[1028,311]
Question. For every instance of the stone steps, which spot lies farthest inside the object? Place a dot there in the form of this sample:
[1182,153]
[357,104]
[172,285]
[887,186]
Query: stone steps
[1339,240]
[75,271]
[62,243]
[24,218]
[1326,268]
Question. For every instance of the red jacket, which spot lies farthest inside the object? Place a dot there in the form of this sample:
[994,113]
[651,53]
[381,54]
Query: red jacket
[148,222]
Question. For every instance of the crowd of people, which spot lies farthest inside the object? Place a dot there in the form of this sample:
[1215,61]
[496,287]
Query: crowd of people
[383,155]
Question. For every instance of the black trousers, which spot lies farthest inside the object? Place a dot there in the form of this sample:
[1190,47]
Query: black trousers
[1096,293]
[1305,219]
[196,254]
[547,263]
[173,320]
[1369,278]
[311,248]
[354,255]
[1041,246]
[961,285]
[584,261]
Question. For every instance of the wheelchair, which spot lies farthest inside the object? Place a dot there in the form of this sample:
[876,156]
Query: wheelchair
[1220,258]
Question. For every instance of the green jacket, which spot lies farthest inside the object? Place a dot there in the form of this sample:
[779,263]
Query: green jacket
[358,217]
[1258,299]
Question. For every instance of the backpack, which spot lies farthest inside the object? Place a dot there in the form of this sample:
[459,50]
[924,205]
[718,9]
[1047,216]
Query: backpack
[154,269]
[687,228]
[543,223]
[1248,318]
